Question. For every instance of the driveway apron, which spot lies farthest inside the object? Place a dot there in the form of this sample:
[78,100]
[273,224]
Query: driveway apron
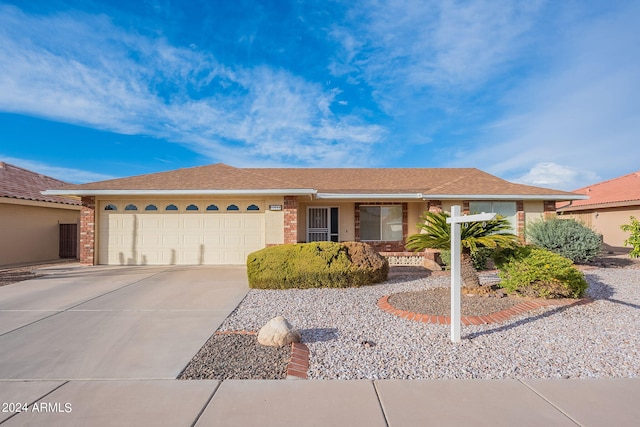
[113,322]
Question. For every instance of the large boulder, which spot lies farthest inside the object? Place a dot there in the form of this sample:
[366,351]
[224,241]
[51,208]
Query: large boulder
[278,332]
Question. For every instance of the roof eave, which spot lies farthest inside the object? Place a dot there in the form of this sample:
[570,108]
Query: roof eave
[367,196]
[556,197]
[262,192]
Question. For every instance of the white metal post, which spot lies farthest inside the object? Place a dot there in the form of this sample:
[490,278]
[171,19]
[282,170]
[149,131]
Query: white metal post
[456,277]
[456,252]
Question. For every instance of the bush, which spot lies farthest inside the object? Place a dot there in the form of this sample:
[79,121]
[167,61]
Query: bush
[634,239]
[316,265]
[565,237]
[542,274]
[479,258]
[502,256]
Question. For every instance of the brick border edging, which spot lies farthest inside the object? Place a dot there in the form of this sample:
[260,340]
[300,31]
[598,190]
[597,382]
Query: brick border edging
[500,316]
[298,363]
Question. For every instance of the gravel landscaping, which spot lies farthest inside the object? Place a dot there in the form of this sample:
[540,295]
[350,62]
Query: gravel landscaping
[349,337]
[237,356]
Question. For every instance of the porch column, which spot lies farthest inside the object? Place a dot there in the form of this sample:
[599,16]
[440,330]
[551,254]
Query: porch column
[87,230]
[290,219]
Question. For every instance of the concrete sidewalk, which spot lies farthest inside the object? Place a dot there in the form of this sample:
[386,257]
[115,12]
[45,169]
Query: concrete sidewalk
[605,402]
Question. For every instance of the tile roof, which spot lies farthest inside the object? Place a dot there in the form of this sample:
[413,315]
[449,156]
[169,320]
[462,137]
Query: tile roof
[428,181]
[19,183]
[621,191]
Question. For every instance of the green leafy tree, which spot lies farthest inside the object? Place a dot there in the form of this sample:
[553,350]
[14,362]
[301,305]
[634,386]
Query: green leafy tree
[435,233]
[634,239]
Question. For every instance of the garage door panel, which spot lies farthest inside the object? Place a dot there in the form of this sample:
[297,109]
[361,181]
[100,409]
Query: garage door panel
[176,238]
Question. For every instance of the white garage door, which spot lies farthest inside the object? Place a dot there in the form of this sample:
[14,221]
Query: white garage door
[183,239]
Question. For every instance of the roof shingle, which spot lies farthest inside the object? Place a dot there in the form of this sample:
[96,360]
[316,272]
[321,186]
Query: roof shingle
[19,183]
[426,181]
[624,190]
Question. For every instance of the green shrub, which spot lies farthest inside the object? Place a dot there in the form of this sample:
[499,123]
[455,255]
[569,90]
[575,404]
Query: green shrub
[502,256]
[316,265]
[565,237]
[445,256]
[542,274]
[478,257]
[634,239]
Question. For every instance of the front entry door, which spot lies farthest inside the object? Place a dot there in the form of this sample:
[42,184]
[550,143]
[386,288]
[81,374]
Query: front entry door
[322,225]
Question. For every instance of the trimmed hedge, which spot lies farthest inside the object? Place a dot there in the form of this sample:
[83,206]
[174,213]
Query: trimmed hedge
[542,274]
[316,265]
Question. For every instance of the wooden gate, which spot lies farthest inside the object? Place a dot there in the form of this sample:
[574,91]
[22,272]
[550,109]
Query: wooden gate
[68,241]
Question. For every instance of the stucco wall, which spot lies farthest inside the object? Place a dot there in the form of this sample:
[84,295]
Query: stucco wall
[607,222]
[31,233]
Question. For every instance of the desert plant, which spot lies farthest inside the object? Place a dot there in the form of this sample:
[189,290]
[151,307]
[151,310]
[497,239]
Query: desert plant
[436,234]
[315,265]
[634,240]
[542,274]
[565,237]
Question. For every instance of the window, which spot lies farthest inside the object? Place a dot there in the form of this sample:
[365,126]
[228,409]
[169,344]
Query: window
[505,209]
[131,208]
[253,208]
[212,208]
[171,208]
[381,223]
[110,207]
[192,208]
[151,208]
[233,208]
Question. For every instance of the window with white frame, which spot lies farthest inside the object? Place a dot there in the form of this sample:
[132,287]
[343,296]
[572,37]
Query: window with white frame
[381,223]
[505,209]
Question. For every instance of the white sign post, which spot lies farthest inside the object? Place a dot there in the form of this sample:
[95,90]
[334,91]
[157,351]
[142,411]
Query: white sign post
[455,220]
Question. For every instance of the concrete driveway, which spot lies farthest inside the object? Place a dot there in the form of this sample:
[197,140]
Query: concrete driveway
[113,322]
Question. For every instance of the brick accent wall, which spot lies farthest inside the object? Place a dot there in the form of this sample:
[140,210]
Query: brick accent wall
[549,208]
[384,246]
[290,219]
[434,206]
[465,207]
[520,219]
[88,231]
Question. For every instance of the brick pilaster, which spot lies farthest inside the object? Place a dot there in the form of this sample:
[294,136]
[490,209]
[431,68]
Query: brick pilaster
[88,231]
[290,219]
[520,220]
[434,206]
[549,209]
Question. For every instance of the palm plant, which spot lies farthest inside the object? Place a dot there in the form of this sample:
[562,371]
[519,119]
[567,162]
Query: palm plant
[435,233]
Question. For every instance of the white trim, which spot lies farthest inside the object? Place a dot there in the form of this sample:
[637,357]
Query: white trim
[472,197]
[366,196]
[265,192]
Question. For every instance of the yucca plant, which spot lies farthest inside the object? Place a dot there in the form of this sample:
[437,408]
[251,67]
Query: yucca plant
[435,233]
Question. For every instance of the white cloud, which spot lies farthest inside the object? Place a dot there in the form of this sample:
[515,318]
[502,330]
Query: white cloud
[557,176]
[83,69]
[76,176]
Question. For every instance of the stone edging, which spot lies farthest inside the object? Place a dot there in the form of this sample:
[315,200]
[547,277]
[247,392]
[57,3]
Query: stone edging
[500,316]
[299,362]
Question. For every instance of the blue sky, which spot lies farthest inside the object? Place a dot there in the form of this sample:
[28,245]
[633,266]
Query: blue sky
[539,92]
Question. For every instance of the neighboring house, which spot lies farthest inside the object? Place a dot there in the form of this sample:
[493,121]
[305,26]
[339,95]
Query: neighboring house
[610,205]
[34,227]
[218,214]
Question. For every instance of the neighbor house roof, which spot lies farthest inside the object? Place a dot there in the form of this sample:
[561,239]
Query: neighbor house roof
[621,191]
[432,183]
[23,184]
